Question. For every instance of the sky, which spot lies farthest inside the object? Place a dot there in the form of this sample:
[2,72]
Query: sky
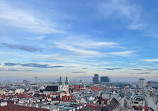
[49,38]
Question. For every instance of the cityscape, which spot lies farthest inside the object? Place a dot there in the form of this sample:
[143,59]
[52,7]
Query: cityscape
[99,95]
[78,55]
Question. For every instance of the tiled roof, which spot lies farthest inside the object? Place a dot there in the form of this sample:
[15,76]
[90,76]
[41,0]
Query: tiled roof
[94,107]
[68,98]
[113,105]
[12,107]
[95,88]
[77,86]
[143,108]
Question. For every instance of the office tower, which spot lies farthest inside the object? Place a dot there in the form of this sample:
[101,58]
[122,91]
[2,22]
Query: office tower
[96,79]
[104,79]
[141,83]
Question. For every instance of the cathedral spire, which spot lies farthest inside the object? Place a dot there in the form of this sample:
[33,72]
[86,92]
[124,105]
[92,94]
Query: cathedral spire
[66,81]
[60,81]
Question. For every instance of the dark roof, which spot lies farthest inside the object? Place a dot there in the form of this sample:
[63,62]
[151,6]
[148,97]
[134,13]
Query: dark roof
[113,105]
[50,88]
[8,101]
[141,79]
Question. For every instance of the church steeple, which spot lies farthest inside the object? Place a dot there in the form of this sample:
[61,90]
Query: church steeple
[60,81]
[66,81]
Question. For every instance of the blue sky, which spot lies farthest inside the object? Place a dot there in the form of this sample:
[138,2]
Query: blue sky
[117,38]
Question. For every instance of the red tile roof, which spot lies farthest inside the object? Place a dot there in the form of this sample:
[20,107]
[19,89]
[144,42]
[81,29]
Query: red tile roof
[12,107]
[95,88]
[79,89]
[145,108]
[77,86]
[68,98]
[99,107]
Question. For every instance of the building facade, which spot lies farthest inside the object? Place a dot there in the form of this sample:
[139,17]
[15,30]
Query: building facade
[141,83]
[104,79]
[96,79]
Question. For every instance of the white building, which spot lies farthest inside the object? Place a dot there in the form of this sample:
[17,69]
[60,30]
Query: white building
[141,83]
[19,91]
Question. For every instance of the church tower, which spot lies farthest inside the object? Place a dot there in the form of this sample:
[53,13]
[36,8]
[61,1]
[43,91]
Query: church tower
[63,86]
[60,86]
[66,81]
[67,84]
[60,81]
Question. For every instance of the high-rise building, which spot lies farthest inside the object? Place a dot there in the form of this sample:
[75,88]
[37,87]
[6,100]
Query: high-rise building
[141,83]
[96,79]
[104,79]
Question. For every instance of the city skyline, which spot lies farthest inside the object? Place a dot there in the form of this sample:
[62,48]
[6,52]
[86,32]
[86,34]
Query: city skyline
[78,38]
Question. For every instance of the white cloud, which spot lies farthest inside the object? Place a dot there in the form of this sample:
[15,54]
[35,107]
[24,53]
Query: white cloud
[124,9]
[85,46]
[4,68]
[22,19]
[57,57]
[86,41]
[81,51]
[150,60]
[122,53]
[77,50]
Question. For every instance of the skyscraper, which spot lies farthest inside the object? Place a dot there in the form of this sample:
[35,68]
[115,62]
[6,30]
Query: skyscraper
[96,79]
[104,79]
[141,83]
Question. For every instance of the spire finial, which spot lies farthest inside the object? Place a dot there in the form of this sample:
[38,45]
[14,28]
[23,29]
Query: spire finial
[66,81]
[60,81]
[60,76]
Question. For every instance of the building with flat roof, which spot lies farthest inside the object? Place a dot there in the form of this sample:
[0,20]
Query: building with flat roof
[104,79]
[141,83]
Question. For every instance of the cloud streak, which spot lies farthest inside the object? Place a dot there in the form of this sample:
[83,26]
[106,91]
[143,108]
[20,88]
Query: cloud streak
[152,69]
[79,72]
[137,69]
[112,68]
[21,47]
[150,60]
[142,73]
[122,53]
[37,65]
[10,64]
[24,20]
[4,68]
[88,47]
[124,9]
[78,50]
